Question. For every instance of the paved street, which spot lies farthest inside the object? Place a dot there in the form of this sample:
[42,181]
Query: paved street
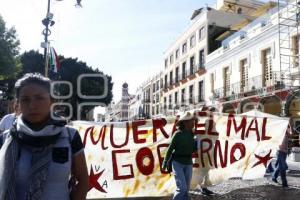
[259,189]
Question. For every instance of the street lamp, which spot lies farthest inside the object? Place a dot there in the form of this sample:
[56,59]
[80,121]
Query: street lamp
[48,21]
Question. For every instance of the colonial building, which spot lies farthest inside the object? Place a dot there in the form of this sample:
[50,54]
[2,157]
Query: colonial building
[258,66]
[99,114]
[156,95]
[110,111]
[234,57]
[119,111]
[146,99]
[184,62]
[135,108]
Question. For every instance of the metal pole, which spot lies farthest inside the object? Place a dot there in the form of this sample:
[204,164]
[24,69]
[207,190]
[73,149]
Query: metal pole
[46,41]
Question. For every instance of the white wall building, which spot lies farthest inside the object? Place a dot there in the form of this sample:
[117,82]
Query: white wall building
[156,95]
[120,110]
[185,59]
[257,66]
[135,105]
[99,114]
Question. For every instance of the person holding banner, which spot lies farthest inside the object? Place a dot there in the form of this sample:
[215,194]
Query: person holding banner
[182,146]
[281,165]
[39,153]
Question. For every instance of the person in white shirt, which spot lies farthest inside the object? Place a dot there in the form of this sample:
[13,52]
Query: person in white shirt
[8,120]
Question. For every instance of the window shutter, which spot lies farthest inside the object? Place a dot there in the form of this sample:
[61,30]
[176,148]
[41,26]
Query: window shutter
[260,57]
[273,50]
[249,60]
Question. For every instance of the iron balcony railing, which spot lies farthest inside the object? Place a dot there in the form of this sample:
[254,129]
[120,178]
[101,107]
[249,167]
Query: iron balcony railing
[186,101]
[182,76]
[147,100]
[252,85]
[200,65]
[177,79]
[192,70]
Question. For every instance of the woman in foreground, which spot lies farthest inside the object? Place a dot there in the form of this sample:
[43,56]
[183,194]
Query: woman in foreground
[39,153]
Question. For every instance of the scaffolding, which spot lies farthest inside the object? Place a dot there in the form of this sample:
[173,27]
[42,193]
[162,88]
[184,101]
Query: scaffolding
[288,31]
[288,35]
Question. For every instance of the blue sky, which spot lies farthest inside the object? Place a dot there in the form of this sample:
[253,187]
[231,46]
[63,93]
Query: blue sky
[123,38]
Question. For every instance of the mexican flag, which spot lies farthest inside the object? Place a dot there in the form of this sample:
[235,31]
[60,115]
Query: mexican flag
[53,60]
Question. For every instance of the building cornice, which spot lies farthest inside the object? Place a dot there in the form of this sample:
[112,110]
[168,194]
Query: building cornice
[244,46]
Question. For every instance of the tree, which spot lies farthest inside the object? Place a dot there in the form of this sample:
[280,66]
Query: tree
[9,49]
[32,61]
[71,69]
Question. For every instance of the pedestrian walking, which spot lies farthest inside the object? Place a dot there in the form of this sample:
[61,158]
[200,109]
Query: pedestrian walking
[202,186]
[182,146]
[39,153]
[281,165]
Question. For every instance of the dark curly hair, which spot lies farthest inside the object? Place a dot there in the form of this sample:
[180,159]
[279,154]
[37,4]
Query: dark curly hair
[32,78]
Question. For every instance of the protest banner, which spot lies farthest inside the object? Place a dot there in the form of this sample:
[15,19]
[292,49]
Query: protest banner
[124,159]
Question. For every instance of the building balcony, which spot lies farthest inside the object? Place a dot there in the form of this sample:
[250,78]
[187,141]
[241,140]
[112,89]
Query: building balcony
[170,85]
[183,77]
[200,69]
[191,100]
[165,87]
[147,100]
[192,72]
[200,98]
[176,81]
[258,85]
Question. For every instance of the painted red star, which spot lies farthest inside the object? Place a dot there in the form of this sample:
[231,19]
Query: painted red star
[93,181]
[263,159]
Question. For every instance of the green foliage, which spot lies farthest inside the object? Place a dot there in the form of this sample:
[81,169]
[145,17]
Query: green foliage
[70,70]
[32,61]
[9,49]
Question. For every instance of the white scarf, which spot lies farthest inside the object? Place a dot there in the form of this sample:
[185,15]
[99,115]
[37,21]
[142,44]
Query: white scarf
[21,133]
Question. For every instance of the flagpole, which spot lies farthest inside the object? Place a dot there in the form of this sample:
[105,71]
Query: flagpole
[47,60]
[46,33]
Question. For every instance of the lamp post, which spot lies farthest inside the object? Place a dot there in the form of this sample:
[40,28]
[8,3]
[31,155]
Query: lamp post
[48,21]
